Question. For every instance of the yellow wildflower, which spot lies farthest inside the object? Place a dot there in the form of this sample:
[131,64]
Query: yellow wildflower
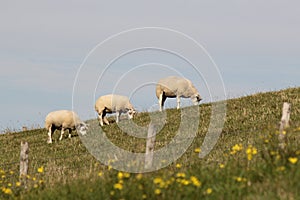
[18,184]
[209,191]
[126,175]
[40,169]
[157,191]
[110,161]
[240,179]
[195,181]
[11,172]
[35,185]
[178,165]
[197,150]
[100,174]
[9,184]
[7,191]
[180,175]
[250,151]
[266,141]
[163,184]
[236,148]
[293,160]
[157,180]
[120,175]
[118,186]
[140,187]
[139,176]
[284,132]
[278,157]
[185,182]
[281,168]
[221,166]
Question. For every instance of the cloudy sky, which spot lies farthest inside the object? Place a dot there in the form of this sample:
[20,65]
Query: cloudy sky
[243,46]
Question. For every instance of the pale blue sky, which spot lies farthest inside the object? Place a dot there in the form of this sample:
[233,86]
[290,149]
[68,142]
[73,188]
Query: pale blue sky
[255,44]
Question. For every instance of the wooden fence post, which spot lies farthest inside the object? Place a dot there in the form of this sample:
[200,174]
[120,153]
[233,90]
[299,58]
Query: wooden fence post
[150,145]
[24,163]
[284,123]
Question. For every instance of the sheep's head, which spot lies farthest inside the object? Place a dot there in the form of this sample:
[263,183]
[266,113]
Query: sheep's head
[131,113]
[196,98]
[82,128]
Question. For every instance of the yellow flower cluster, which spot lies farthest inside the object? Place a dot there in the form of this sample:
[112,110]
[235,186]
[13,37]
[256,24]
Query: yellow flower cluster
[179,178]
[121,176]
[240,179]
[195,181]
[162,183]
[118,186]
[236,148]
[9,188]
[250,151]
[6,190]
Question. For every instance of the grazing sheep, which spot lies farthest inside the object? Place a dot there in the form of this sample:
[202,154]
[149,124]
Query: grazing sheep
[113,103]
[172,87]
[62,120]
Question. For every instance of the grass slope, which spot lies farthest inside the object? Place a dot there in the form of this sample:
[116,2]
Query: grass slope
[245,163]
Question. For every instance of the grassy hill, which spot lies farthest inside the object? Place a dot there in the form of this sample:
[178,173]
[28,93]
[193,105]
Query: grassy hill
[245,163]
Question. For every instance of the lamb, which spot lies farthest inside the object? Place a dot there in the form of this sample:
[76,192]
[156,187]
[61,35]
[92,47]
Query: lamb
[172,87]
[113,103]
[64,120]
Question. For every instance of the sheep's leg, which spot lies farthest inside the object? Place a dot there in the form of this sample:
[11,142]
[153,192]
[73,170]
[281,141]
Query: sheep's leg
[104,118]
[106,121]
[178,102]
[70,130]
[162,99]
[49,141]
[100,118]
[61,133]
[118,113]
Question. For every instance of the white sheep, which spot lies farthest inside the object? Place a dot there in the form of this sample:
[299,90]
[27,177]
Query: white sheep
[113,103]
[174,86]
[63,120]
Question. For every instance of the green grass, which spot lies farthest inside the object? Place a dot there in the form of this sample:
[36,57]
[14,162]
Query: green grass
[70,172]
